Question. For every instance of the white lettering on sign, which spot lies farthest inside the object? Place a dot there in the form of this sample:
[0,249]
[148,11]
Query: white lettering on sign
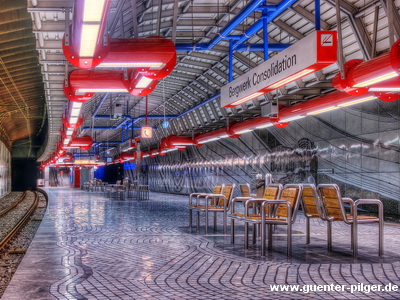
[298,59]
[257,78]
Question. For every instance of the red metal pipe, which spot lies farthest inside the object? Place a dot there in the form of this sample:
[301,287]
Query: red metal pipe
[211,135]
[315,104]
[173,141]
[158,53]
[127,156]
[361,75]
[83,84]
[84,142]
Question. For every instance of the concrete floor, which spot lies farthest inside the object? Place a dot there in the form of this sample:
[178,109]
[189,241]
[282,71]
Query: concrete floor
[92,247]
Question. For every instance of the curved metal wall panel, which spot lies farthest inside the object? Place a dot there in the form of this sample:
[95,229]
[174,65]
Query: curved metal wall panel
[5,170]
[357,147]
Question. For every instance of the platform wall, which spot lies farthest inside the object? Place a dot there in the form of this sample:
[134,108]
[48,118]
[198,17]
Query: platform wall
[357,147]
[5,170]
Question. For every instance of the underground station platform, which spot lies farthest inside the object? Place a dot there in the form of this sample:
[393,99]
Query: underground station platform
[89,246]
[199,149]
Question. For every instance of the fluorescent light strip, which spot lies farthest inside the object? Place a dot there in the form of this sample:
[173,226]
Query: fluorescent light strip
[182,144]
[83,91]
[291,78]
[75,112]
[89,36]
[93,10]
[357,101]
[244,131]
[291,119]
[264,126]
[384,89]
[376,79]
[143,83]
[247,98]
[76,105]
[132,65]
[323,110]
[73,120]
[209,140]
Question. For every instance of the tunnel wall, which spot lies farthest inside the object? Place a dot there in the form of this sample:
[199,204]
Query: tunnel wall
[357,148]
[5,170]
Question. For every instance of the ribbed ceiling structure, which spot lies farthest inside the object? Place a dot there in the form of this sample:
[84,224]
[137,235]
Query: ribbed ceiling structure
[199,75]
[22,103]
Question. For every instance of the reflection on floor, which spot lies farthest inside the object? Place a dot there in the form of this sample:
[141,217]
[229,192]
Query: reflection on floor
[93,247]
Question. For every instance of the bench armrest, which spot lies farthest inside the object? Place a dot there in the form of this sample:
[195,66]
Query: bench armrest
[369,201]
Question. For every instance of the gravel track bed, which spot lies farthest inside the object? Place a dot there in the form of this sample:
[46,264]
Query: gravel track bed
[9,199]
[10,219]
[12,256]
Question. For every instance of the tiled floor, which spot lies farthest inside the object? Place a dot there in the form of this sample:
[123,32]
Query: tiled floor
[91,247]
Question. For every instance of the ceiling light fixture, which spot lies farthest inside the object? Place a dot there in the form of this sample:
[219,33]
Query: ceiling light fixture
[377,79]
[143,83]
[103,90]
[131,65]
[92,16]
[291,79]
[245,99]
[291,119]
[357,101]
[320,111]
[244,131]
[265,126]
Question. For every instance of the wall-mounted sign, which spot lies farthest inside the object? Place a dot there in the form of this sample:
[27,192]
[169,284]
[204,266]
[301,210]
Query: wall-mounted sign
[312,53]
[146,133]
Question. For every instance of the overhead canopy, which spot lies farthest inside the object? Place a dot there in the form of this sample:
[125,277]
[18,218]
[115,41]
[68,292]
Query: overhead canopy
[22,101]
[199,74]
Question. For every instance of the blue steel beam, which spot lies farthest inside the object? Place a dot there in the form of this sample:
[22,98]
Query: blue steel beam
[242,47]
[317,14]
[259,24]
[242,15]
[200,104]
[108,128]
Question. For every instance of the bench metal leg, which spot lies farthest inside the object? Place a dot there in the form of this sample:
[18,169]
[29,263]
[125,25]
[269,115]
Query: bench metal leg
[225,220]
[289,239]
[206,213]
[329,226]
[254,233]
[246,235]
[270,236]
[198,220]
[381,236]
[232,231]
[262,229]
[215,221]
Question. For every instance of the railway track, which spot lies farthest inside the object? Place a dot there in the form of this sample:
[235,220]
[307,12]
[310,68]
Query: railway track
[19,220]
[22,221]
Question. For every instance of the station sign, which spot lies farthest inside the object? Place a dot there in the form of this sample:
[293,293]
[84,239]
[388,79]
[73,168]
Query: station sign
[312,53]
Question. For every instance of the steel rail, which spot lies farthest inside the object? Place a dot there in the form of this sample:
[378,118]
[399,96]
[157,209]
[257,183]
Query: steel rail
[22,222]
[12,206]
